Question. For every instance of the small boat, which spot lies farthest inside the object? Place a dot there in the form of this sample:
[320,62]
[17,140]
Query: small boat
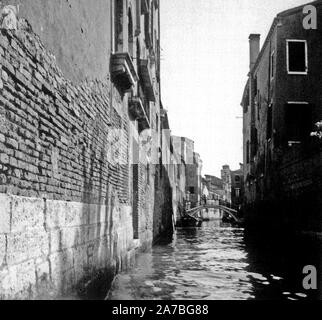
[189,221]
[228,219]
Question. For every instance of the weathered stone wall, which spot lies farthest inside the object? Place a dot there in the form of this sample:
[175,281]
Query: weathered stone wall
[146,202]
[65,206]
[300,190]
[163,208]
[78,34]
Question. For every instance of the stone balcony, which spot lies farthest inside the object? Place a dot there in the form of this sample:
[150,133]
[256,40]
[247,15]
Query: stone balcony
[138,112]
[123,71]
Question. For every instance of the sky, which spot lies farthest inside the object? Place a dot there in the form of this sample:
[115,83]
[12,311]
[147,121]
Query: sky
[204,66]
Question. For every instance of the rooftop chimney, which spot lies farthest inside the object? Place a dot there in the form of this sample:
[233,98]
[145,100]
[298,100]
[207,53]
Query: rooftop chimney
[254,43]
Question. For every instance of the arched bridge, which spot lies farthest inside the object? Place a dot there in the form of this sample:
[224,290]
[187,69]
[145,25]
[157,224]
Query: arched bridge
[194,212]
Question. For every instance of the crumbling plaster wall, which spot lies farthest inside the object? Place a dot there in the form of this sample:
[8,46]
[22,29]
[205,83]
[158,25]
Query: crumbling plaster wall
[77,32]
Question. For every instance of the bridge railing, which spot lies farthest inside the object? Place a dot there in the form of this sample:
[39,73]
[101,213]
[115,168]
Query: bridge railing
[194,211]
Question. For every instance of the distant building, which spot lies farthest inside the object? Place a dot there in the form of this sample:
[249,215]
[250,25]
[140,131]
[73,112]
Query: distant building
[233,188]
[237,187]
[179,172]
[215,187]
[193,167]
[226,178]
[193,183]
[281,104]
[205,191]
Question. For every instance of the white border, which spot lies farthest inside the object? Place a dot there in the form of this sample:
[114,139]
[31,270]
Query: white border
[291,143]
[287,58]
[297,102]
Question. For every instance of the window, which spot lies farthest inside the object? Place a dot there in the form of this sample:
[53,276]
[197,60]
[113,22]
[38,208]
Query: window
[152,25]
[192,190]
[148,173]
[160,164]
[254,141]
[269,127]
[298,120]
[135,200]
[246,101]
[297,61]
[118,25]
[157,123]
[237,178]
[147,24]
[237,193]
[130,34]
[138,60]
[259,103]
[255,85]
[138,17]
[272,65]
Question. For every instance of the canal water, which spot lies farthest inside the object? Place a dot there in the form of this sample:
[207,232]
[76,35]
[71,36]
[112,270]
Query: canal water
[220,262]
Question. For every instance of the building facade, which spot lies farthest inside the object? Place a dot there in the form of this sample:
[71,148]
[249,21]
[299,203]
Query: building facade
[191,163]
[281,104]
[215,187]
[233,186]
[237,187]
[179,171]
[194,180]
[80,142]
[227,183]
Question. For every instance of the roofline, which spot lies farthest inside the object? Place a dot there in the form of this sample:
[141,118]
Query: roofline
[268,37]
[298,8]
[187,139]
[244,93]
[183,138]
[274,24]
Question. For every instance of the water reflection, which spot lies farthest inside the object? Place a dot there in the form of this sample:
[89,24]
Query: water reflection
[218,261]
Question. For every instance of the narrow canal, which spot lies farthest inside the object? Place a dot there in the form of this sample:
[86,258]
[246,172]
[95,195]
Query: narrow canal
[220,262]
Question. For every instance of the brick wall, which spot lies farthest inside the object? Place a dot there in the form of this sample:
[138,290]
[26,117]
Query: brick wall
[72,210]
[65,208]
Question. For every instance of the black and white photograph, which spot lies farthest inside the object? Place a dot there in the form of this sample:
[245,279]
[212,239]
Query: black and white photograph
[165,151]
